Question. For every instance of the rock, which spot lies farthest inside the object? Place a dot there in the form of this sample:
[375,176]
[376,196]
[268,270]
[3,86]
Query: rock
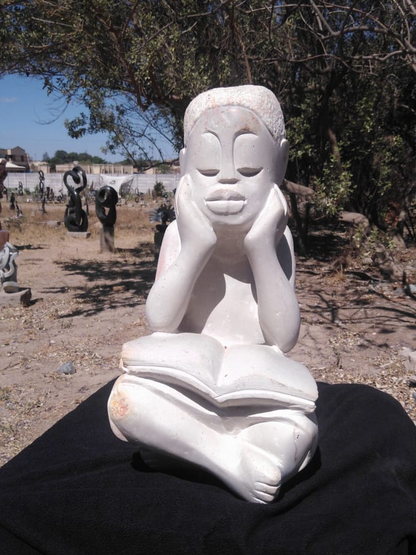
[410,290]
[398,292]
[21,297]
[79,234]
[386,264]
[53,223]
[67,368]
[410,356]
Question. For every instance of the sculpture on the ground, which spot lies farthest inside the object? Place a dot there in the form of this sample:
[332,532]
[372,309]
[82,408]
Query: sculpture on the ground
[212,385]
[8,268]
[3,175]
[106,201]
[163,215]
[75,218]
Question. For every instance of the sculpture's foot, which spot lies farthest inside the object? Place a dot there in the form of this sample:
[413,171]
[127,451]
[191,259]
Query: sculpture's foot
[289,438]
[257,477]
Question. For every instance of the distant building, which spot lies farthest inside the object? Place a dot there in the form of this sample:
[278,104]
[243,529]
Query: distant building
[40,166]
[16,155]
[97,169]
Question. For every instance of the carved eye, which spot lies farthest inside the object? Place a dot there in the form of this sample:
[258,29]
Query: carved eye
[249,172]
[209,173]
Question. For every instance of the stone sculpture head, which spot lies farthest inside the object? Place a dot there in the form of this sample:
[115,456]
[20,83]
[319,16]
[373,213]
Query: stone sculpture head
[235,152]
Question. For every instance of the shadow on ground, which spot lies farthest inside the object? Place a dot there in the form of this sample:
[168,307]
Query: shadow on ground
[114,283]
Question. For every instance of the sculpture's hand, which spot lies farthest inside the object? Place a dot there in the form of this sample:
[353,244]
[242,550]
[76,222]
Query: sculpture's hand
[270,225]
[194,228]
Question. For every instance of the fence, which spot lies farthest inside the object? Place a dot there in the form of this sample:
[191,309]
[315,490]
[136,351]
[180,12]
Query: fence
[140,182]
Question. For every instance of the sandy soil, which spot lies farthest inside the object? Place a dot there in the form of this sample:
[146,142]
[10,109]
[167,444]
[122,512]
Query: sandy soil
[85,305]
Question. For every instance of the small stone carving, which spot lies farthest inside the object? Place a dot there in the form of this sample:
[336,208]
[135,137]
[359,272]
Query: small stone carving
[106,198]
[165,214]
[12,201]
[75,218]
[8,268]
[3,175]
[213,385]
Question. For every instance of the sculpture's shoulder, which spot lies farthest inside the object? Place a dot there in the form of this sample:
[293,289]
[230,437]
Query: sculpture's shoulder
[171,247]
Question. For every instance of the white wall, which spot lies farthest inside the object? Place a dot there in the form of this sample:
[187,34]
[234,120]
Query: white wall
[141,182]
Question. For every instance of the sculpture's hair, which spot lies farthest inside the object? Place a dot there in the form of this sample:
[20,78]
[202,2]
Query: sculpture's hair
[257,99]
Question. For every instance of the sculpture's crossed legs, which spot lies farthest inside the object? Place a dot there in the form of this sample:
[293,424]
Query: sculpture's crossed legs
[251,452]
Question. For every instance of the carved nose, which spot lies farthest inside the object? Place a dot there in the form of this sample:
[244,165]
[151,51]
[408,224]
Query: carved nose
[227,180]
[227,172]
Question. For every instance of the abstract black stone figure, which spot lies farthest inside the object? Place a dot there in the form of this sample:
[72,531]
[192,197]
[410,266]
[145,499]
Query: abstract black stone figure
[164,214]
[105,206]
[75,218]
[12,202]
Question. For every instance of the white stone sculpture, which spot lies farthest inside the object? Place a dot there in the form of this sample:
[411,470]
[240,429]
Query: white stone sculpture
[212,384]
[8,268]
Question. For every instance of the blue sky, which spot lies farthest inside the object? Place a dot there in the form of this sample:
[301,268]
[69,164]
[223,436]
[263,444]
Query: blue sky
[24,109]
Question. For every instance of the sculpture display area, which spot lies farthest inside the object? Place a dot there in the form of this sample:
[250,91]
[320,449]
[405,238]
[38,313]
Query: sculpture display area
[213,385]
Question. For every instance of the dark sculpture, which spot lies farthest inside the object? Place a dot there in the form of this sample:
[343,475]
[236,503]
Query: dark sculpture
[106,198]
[164,214]
[75,218]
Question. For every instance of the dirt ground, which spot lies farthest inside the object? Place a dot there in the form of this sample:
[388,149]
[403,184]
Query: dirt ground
[85,305]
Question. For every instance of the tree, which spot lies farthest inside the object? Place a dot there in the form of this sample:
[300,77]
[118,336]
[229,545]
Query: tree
[344,72]
[63,157]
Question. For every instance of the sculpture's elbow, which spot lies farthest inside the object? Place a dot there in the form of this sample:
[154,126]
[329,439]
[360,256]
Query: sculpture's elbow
[161,321]
[287,345]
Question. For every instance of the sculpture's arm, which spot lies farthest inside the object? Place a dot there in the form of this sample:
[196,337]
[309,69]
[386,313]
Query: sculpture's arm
[278,309]
[185,252]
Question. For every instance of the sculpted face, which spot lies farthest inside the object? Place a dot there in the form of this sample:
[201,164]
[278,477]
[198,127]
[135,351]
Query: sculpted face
[233,162]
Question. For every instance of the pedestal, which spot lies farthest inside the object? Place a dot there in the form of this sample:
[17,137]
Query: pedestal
[107,239]
[79,234]
[78,489]
[20,298]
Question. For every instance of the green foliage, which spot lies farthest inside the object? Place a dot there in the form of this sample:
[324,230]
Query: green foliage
[159,189]
[344,73]
[333,188]
[63,157]
[367,243]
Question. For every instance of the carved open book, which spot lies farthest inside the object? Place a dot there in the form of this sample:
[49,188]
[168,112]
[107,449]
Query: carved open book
[237,375]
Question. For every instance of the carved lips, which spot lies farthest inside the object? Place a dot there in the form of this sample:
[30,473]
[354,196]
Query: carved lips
[225,202]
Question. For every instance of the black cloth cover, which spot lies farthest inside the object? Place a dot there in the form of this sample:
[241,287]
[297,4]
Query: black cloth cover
[79,490]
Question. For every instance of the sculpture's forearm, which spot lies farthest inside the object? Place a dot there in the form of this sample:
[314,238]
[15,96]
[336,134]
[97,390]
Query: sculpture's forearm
[169,297]
[278,309]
